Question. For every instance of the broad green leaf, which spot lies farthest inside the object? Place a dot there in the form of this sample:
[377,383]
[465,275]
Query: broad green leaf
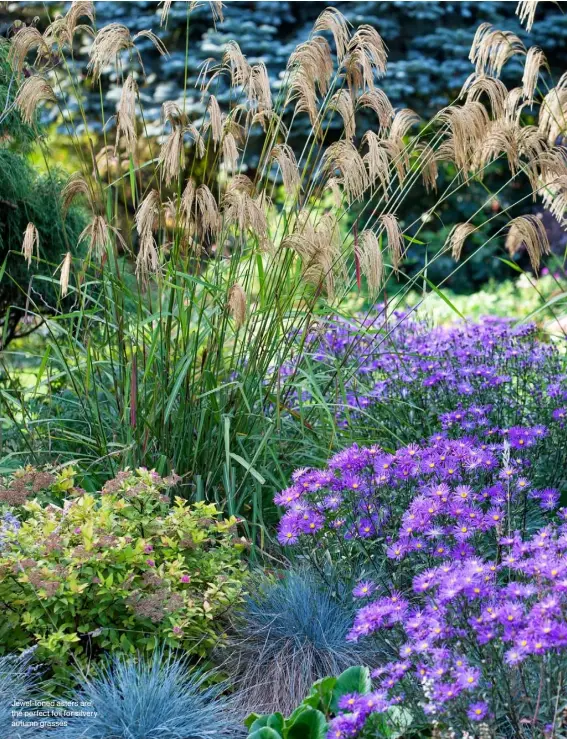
[265,733]
[321,694]
[309,724]
[353,680]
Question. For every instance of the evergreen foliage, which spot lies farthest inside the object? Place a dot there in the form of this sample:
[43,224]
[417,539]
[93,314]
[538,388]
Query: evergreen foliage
[27,196]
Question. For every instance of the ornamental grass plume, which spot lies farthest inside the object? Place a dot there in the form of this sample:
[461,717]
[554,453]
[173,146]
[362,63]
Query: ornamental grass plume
[126,115]
[237,304]
[371,261]
[65,274]
[492,48]
[535,61]
[147,221]
[526,10]
[30,243]
[27,38]
[457,237]
[530,232]
[34,90]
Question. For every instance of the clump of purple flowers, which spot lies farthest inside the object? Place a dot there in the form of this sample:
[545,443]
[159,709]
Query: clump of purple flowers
[403,379]
[8,524]
[479,637]
[463,557]
[434,498]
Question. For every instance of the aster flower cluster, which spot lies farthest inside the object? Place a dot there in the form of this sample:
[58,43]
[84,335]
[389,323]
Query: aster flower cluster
[402,376]
[463,554]
[435,498]
[8,524]
[479,636]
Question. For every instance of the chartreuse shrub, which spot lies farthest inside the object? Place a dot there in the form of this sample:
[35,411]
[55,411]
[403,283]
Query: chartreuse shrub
[311,719]
[153,698]
[120,570]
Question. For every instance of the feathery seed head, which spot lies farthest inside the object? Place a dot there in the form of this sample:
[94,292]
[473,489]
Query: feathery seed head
[172,155]
[371,260]
[207,210]
[528,231]
[535,61]
[496,91]
[335,22]
[284,156]
[30,242]
[31,93]
[365,60]
[230,152]
[79,9]
[237,304]
[377,100]
[234,60]
[344,156]
[126,116]
[395,237]
[526,10]
[492,48]
[65,274]
[456,239]
[98,235]
[107,45]
[341,102]
[25,40]
[312,60]
[147,221]
[76,186]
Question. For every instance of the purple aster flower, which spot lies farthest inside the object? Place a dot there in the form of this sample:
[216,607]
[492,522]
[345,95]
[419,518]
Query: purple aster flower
[364,589]
[477,711]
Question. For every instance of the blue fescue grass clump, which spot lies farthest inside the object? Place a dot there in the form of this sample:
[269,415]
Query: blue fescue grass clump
[17,683]
[157,698]
[288,634]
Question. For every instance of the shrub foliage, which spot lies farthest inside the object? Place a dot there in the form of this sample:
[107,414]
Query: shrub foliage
[123,570]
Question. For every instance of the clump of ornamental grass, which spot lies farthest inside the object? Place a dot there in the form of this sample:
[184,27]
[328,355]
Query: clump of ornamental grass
[152,698]
[289,633]
[18,684]
[461,546]
[230,267]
